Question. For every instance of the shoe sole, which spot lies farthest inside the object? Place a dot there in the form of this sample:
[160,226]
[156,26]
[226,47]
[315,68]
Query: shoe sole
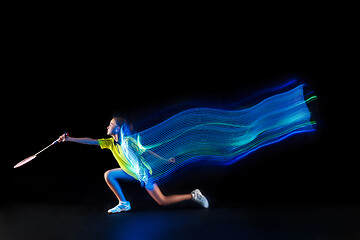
[125,210]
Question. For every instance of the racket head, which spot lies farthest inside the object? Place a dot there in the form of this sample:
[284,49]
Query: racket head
[26,160]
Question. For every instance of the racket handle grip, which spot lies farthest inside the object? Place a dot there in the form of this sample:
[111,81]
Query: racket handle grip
[57,140]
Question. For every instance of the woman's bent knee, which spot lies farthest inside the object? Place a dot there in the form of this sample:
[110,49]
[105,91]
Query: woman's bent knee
[161,201]
[108,174]
[116,173]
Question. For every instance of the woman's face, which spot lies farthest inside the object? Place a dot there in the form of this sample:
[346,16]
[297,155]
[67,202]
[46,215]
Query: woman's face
[113,128]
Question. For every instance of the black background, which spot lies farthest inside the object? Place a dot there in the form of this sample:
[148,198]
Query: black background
[74,76]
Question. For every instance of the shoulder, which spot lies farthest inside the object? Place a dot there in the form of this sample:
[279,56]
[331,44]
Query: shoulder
[106,142]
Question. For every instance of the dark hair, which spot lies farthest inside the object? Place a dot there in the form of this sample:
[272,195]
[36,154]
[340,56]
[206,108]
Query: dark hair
[120,121]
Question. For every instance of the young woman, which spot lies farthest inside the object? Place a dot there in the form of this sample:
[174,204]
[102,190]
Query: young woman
[205,135]
[126,170]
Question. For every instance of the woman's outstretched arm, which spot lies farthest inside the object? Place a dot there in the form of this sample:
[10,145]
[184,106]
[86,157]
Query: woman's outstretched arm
[89,141]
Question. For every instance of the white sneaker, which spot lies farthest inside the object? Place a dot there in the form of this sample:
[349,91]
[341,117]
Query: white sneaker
[121,207]
[199,198]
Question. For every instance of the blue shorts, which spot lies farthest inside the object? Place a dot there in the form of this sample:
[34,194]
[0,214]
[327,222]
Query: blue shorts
[124,176]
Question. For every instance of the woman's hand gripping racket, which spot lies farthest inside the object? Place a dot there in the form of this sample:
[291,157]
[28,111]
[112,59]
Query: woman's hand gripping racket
[26,160]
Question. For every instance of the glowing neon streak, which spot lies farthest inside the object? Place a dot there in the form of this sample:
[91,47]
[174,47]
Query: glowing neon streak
[311,99]
[216,136]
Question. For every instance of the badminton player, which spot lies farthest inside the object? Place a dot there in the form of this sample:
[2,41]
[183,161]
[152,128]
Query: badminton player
[124,172]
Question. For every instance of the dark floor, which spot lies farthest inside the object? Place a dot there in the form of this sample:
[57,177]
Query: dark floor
[43,221]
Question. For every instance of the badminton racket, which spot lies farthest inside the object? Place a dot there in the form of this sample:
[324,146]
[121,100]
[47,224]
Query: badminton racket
[26,160]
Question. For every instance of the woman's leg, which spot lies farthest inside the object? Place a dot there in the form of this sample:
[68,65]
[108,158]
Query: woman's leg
[157,195]
[111,177]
